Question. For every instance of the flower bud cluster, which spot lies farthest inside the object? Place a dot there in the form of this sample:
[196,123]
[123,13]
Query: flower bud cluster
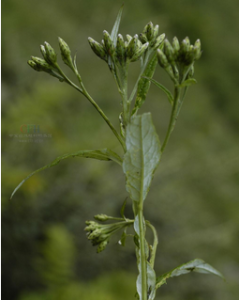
[176,57]
[99,234]
[150,35]
[49,62]
[128,50]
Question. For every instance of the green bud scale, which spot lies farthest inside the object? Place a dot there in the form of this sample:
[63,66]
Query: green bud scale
[50,54]
[97,49]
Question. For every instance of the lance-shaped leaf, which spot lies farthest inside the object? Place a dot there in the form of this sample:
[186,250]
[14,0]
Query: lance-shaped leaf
[142,156]
[163,88]
[103,154]
[144,84]
[188,82]
[115,29]
[196,265]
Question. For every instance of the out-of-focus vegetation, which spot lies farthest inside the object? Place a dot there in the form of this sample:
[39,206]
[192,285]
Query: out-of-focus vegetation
[194,198]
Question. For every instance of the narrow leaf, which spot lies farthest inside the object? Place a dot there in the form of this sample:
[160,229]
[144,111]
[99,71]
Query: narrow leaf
[144,84]
[103,154]
[196,265]
[123,208]
[188,82]
[114,32]
[123,237]
[163,88]
[142,156]
[151,282]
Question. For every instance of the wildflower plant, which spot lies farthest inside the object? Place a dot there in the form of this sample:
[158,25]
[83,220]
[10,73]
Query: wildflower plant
[142,149]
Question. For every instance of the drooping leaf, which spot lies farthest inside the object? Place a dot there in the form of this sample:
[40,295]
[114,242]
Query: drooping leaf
[115,29]
[123,208]
[196,265]
[163,88]
[188,82]
[103,154]
[151,282]
[142,156]
[144,84]
[123,237]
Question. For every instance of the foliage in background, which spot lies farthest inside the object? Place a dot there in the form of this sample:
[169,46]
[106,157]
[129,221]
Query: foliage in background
[199,183]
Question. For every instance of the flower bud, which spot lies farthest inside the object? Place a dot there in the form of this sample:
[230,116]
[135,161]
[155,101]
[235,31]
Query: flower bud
[33,65]
[156,31]
[150,31]
[176,44]
[129,38]
[41,63]
[109,46]
[101,217]
[159,41]
[65,53]
[94,234]
[162,59]
[139,52]
[143,38]
[102,246]
[169,51]
[120,49]
[132,47]
[50,54]
[97,48]
[197,49]
[43,52]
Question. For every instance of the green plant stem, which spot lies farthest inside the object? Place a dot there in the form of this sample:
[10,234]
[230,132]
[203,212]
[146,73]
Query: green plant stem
[143,262]
[173,117]
[96,106]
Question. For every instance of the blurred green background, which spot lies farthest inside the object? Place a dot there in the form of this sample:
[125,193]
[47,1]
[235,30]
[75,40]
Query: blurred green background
[194,197]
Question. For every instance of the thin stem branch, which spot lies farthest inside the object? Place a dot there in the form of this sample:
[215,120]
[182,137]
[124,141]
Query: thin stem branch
[173,117]
[83,91]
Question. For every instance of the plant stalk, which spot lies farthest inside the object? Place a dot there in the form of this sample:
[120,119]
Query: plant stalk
[173,117]
[143,262]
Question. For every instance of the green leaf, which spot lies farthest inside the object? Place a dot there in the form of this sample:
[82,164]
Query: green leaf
[123,237]
[188,82]
[114,32]
[142,156]
[151,282]
[103,154]
[163,88]
[196,265]
[144,84]
[123,208]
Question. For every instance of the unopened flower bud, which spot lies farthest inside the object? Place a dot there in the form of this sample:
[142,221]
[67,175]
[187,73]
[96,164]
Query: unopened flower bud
[150,31]
[102,246]
[33,65]
[101,217]
[42,64]
[132,47]
[94,234]
[97,48]
[43,52]
[50,54]
[65,53]
[197,49]
[109,46]
[120,49]
[162,59]
[156,31]
[176,44]
[169,51]
[140,52]
[159,41]
[143,38]
[129,38]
